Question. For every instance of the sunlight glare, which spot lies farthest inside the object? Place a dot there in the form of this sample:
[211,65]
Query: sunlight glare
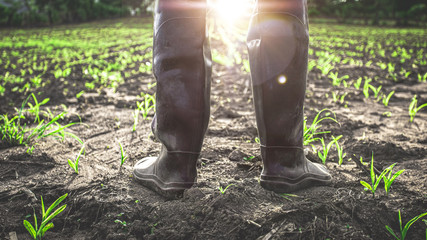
[231,11]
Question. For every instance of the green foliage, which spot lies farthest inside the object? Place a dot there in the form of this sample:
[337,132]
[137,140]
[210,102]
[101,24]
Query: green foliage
[374,178]
[42,12]
[404,229]
[389,179]
[413,108]
[75,165]
[311,131]
[223,190]
[38,231]
[123,156]
[14,132]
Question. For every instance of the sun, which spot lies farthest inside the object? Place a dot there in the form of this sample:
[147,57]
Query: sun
[231,11]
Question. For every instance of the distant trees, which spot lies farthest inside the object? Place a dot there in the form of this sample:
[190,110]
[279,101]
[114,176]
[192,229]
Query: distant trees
[42,12]
[372,11]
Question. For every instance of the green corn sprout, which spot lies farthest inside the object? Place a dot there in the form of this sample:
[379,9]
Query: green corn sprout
[375,90]
[422,78]
[336,81]
[413,109]
[404,230]
[387,99]
[288,195]
[35,109]
[37,232]
[358,83]
[146,105]
[311,132]
[389,179]
[123,156]
[366,87]
[374,178]
[341,154]
[325,148]
[135,116]
[223,190]
[75,165]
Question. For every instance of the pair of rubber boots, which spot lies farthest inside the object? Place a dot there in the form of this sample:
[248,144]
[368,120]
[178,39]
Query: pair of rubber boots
[278,53]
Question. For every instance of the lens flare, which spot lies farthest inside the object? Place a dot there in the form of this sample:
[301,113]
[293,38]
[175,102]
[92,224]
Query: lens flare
[231,11]
[282,79]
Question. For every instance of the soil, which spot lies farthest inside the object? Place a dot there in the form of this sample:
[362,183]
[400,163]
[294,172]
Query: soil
[104,192]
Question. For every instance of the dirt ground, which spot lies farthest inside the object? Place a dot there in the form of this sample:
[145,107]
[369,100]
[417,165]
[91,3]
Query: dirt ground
[103,192]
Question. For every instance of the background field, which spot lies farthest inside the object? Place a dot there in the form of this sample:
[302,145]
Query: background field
[96,73]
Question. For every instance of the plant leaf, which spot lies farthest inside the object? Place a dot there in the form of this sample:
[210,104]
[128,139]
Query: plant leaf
[58,201]
[366,185]
[30,229]
[391,232]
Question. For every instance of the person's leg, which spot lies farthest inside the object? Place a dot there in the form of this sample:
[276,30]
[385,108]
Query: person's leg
[182,67]
[278,53]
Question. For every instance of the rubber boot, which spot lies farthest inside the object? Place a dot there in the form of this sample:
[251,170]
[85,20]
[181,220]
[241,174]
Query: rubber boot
[182,67]
[278,53]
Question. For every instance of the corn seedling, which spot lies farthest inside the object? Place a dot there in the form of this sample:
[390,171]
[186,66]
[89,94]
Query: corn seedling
[287,196]
[387,99]
[248,158]
[336,81]
[13,133]
[358,83]
[75,165]
[375,90]
[404,229]
[374,178]
[35,109]
[223,190]
[146,105]
[389,179]
[323,154]
[123,156]
[135,116]
[37,232]
[413,108]
[366,87]
[341,154]
[422,78]
[311,132]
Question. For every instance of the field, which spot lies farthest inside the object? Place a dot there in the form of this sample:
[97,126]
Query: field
[97,77]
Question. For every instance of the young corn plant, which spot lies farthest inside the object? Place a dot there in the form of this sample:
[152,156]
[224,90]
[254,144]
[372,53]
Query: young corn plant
[422,78]
[311,132]
[375,90]
[374,178]
[336,81]
[341,154]
[38,231]
[135,116]
[75,165]
[413,108]
[366,87]
[389,179]
[386,100]
[35,109]
[404,229]
[13,132]
[223,190]
[358,83]
[323,154]
[123,156]
[148,104]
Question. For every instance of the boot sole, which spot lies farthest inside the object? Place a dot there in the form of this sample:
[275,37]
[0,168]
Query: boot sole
[284,185]
[168,190]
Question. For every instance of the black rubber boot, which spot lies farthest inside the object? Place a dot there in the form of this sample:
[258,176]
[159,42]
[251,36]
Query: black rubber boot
[278,53]
[182,67]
